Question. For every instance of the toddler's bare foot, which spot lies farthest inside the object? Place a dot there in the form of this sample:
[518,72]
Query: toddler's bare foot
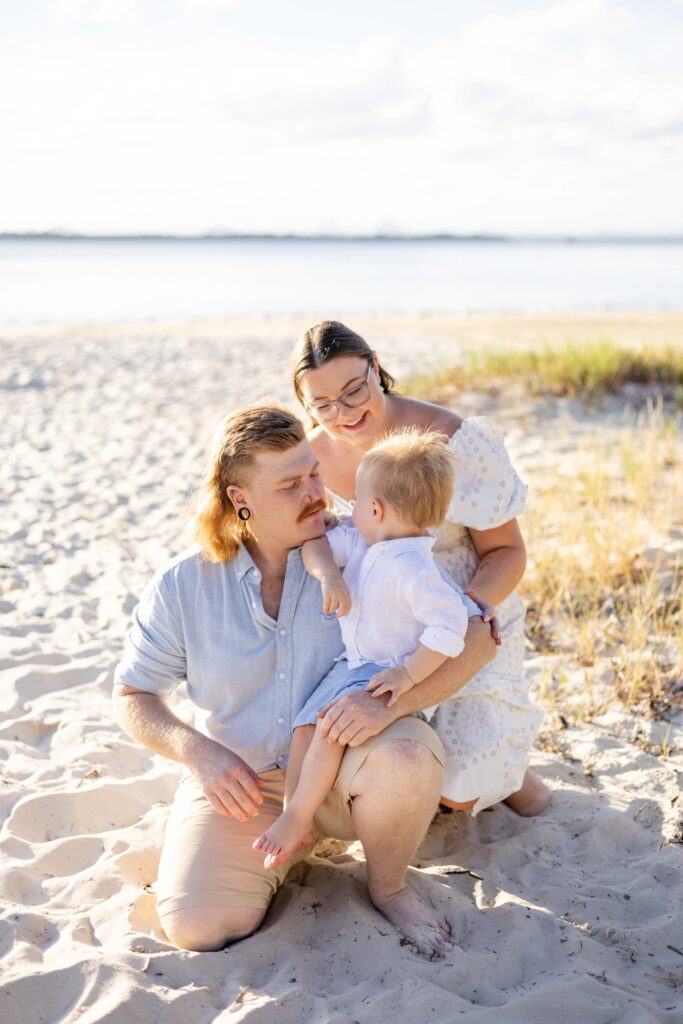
[286,835]
[420,925]
[532,798]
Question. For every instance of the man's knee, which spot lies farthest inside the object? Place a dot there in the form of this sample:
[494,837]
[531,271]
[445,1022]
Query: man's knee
[399,760]
[403,755]
[202,929]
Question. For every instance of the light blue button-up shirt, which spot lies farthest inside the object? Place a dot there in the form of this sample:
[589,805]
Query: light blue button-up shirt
[247,675]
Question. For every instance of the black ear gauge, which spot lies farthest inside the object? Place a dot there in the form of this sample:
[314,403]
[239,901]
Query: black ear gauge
[244,513]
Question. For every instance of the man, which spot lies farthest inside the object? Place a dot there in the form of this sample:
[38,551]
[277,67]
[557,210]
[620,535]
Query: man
[239,618]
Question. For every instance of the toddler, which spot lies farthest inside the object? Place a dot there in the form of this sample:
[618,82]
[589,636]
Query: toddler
[400,620]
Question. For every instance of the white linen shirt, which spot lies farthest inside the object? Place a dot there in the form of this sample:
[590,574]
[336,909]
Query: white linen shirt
[399,599]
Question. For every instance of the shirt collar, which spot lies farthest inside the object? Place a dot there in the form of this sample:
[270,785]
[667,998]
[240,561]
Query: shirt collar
[403,544]
[244,563]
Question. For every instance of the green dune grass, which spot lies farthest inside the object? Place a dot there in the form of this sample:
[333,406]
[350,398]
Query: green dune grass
[568,368]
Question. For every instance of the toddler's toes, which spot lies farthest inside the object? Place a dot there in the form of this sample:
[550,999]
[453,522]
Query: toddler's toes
[264,843]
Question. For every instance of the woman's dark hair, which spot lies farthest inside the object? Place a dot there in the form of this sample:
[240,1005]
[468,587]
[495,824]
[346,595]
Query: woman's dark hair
[325,341]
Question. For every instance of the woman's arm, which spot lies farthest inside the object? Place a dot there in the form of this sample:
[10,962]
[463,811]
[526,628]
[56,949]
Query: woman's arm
[502,561]
[455,673]
[361,708]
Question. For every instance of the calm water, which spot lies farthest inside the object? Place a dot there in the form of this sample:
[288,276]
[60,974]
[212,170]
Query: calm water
[78,280]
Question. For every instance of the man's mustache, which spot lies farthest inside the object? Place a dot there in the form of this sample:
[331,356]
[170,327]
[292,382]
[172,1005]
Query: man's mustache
[317,506]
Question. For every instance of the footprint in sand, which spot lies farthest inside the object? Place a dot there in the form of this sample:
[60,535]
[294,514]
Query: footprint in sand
[40,819]
[24,887]
[6,938]
[26,683]
[58,991]
[33,929]
[68,857]
[34,733]
[139,866]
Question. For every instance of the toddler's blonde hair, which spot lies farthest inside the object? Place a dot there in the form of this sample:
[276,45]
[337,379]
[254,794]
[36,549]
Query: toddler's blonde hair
[413,471]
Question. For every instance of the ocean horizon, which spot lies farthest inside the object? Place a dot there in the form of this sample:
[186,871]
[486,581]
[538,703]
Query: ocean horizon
[56,277]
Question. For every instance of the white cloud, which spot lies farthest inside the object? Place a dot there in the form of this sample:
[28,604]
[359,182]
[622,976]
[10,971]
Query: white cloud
[567,116]
[193,6]
[365,93]
[122,12]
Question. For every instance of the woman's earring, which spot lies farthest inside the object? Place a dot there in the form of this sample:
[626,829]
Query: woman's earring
[244,513]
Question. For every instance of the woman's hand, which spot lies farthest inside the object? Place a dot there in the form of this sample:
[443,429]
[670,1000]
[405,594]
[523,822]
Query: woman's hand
[336,597]
[488,614]
[354,718]
[395,681]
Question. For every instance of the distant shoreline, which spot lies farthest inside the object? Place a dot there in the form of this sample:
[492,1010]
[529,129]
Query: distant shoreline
[511,328]
[604,239]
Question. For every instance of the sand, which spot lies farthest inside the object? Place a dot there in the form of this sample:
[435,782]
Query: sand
[574,916]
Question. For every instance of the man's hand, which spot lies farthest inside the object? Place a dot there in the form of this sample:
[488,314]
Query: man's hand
[395,681]
[354,718]
[336,597]
[227,782]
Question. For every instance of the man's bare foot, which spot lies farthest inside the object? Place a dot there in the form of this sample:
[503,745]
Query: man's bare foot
[420,925]
[286,835]
[532,798]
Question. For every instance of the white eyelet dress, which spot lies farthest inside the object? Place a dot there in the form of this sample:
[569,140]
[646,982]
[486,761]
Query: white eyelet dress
[489,727]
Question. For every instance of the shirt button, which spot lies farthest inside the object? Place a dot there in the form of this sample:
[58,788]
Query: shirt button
[253,604]
[283,632]
[283,675]
[280,721]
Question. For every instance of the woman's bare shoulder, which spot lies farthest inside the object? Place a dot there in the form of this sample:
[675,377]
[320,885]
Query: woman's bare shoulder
[427,416]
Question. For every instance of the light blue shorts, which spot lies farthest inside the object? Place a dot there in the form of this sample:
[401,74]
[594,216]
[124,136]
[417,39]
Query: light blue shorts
[338,680]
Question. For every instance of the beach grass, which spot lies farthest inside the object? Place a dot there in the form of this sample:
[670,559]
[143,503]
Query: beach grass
[587,368]
[603,525]
[604,580]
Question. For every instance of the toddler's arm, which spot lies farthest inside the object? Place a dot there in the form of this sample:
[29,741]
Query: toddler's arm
[319,562]
[397,681]
[422,662]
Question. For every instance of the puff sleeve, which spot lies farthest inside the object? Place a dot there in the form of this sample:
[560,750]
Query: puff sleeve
[488,491]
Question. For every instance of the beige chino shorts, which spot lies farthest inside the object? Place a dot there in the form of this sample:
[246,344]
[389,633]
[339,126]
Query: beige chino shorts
[208,858]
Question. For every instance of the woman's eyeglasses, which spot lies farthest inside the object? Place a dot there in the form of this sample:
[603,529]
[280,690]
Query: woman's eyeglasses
[352,399]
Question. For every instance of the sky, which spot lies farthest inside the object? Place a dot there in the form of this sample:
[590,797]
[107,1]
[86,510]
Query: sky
[361,116]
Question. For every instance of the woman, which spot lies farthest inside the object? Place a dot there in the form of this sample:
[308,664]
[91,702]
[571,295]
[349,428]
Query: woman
[489,727]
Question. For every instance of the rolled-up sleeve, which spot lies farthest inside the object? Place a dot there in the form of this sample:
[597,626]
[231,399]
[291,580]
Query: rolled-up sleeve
[436,606]
[154,658]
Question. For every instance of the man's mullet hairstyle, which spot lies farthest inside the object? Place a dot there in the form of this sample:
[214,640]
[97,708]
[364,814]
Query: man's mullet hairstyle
[214,524]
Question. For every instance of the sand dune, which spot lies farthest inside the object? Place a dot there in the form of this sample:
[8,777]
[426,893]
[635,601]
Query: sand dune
[574,916]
